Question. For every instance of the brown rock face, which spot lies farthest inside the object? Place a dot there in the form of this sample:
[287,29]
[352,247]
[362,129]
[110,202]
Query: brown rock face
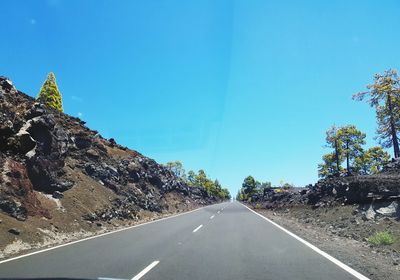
[17,187]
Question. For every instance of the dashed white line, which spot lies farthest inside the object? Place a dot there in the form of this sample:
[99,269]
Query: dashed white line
[144,271]
[212,217]
[199,227]
[218,212]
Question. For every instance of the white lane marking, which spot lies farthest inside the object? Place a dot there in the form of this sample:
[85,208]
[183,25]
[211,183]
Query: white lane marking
[218,212]
[212,217]
[144,271]
[100,235]
[199,227]
[319,251]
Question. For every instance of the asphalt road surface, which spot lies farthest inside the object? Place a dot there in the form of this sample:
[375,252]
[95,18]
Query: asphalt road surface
[223,241]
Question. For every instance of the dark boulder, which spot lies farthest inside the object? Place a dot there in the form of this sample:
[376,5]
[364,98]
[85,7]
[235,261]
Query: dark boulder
[57,195]
[6,84]
[14,231]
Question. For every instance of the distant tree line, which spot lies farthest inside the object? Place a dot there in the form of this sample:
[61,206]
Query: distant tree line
[347,141]
[251,188]
[213,187]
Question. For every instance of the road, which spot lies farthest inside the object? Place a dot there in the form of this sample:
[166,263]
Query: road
[222,241]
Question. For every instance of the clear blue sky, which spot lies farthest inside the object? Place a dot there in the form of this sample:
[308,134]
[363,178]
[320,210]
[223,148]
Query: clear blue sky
[232,87]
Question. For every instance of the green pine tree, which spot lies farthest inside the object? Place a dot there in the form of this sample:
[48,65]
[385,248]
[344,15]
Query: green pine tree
[49,93]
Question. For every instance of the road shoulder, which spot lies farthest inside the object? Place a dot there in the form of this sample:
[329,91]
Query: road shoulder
[355,254]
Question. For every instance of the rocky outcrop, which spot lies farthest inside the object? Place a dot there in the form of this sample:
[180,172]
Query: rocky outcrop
[377,195]
[45,152]
[17,196]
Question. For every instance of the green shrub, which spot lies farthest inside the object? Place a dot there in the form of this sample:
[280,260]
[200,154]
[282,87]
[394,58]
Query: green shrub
[257,206]
[49,93]
[381,238]
[279,190]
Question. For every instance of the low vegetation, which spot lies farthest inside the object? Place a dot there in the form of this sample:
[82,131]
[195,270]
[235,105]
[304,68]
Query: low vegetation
[381,238]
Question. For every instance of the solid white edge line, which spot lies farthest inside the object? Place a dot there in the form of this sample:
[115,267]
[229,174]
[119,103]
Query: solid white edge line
[100,235]
[212,217]
[144,271]
[199,227]
[317,250]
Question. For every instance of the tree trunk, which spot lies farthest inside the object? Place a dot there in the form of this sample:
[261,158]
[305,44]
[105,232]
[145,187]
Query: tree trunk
[337,157]
[347,159]
[393,128]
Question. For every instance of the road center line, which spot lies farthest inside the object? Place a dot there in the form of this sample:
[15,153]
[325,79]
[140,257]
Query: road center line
[218,212]
[212,217]
[199,227]
[144,271]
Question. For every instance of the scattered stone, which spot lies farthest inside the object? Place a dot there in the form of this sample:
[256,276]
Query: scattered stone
[392,210]
[370,213]
[6,84]
[112,141]
[92,153]
[25,142]
[14,231]
[58,195]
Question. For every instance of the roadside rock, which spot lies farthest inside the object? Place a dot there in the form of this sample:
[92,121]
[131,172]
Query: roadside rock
[390,210]
[14,231]
[370,213]
[57,195]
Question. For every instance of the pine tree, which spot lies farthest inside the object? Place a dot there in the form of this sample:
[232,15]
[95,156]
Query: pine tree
[49,93]
[191,178]
[351,140]
[333,141]
[249,185]
[176,167]
[384,95]
[328,167]
[371,161]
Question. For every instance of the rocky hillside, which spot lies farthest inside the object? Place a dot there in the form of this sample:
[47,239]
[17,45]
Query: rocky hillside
[375,191]
[60,179]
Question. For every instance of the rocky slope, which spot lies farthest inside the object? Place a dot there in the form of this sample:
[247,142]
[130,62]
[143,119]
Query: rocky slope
[376,195]
[60,180]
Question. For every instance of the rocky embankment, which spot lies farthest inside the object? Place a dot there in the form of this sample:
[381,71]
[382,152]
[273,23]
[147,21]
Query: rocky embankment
[339,214]
[376,196]
[60,180]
